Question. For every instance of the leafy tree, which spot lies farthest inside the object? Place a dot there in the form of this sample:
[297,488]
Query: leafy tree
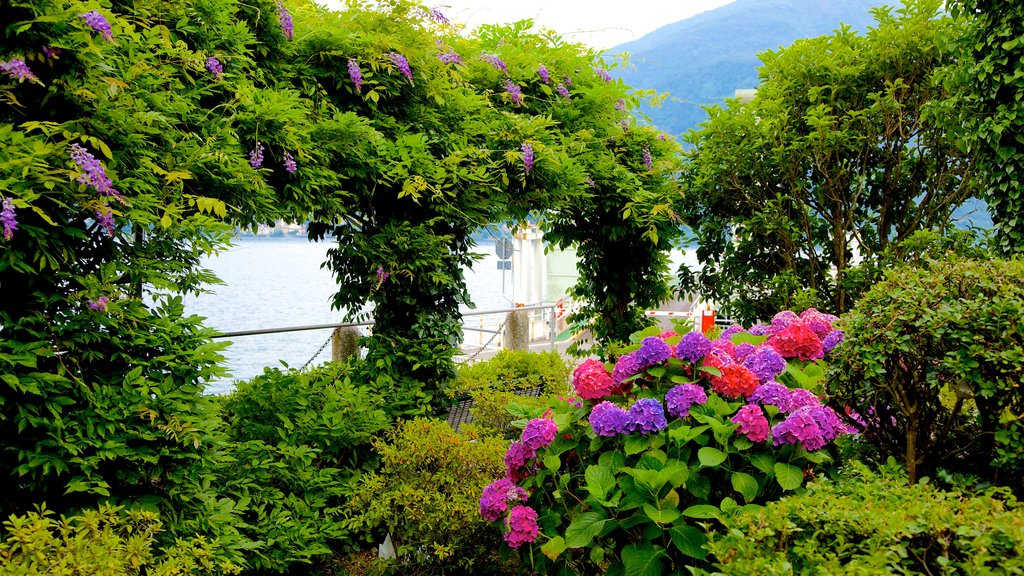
[989,82]
[842,153]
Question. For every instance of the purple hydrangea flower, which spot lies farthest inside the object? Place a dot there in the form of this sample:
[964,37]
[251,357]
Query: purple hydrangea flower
[401,63]
[646,416]
[514,91]
[627,365]
[620,104]
[730,331]
[545,76]
[99,23]
[758,330]
[285,17]
[682,397]
[782,320]
[256,155]
[752,423]
[18,70]
[603,74]
[289,163]
[814,426]
[449,57]
[215,67]
[527,158]
[648,161]
[93,173]
[355,75]
[831,340]
[99,304]
[765,363]
[522,526]
[496,497]
[493,60]
[693,346]
[653,351]
[771,393]
[742,351]
[7,218]
[563,91]
[800,397]
[539,433]
[608,419]
[517,458]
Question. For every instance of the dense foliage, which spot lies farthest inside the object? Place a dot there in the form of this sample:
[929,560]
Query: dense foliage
[842,153]
[932,361]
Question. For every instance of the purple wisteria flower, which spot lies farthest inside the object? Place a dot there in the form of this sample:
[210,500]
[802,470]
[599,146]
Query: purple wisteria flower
[752,423]
[730,331]
[93,173]
[539,433]
[682,397]
[18,70]
[693,346]
[256,155]
[449,57]
[105,218]
[653,351]
[608,419]
[381,275]
[493,60]
[545,76]
[8,219]
[627,366]
[355,75]
[99,23]
[563,91]
[765,363]
[289,163]
[99,304]
[567,81]
[496,497]
[436,15]
[831,340]
[648,161]
[215,67]
[514,92]
[522,526]
[590,182]
[662,137]
[51,52]
[401,63]
[771,393]
[285,17]
[603,74]
[527,158]
[646,416]
[620,104]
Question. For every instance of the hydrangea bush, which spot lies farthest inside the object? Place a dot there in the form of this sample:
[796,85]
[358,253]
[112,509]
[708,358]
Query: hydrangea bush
[680,433]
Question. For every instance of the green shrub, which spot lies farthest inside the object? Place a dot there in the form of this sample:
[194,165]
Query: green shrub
[932,361]
[426,495]
[110,540]
[509,378]
[868,523]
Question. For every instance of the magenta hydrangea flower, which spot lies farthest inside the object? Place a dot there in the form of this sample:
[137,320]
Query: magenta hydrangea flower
[18,70]
[285,18]
[545,76]
[514,92]
[813,426]
[93,173]
[645,416]
[800,397]
[8,219]
[563,91]
[820,322]
[603,74]
[730,331]
[517,459]
[771,393]
[723,347]
[765,363]
[449,57]
[99,304]
[99,23]
[527,158]
[693,346]
[752,423]
[493,60]
[289,163]
[653,351]
[497,496]
[355,75]
[831,340]
[401,63]
[683,397]
[626,366]
[215,67]
[256,155]
[539,433]
[648,161]
[608,419]
[782,320]
[522,526]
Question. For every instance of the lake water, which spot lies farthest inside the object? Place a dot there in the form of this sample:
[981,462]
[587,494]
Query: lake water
[278,282]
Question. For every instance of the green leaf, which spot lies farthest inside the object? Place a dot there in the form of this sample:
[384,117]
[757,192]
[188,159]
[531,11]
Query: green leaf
[642,560]
[599,481]
[689,540]
[710,457]
[552,462]
[553,548]
[702,512]
[583,529]
[745,484]
[788,476]
[661,516]
[636,444]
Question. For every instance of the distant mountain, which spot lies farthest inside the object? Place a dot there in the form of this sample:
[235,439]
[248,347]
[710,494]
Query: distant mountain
[704,59]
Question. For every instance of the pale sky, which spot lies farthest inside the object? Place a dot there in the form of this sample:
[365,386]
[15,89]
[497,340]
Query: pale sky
[600,24]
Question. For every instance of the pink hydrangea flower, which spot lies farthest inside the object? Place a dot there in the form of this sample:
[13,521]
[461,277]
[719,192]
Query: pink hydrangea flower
[539,432]
[496,497]
[753,423]
[522,526]
[592,381]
